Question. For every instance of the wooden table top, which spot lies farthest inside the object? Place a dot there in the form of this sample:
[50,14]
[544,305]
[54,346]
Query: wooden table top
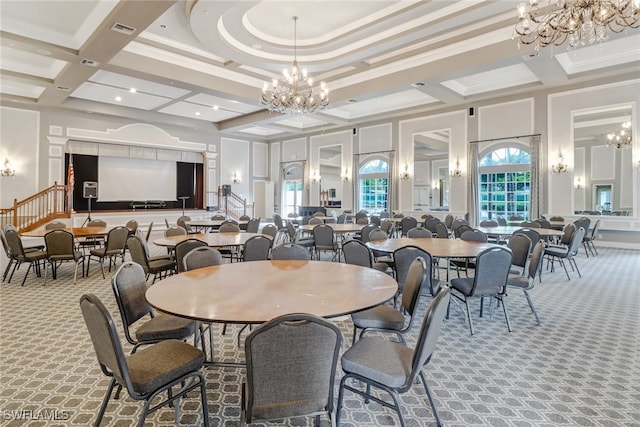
[508,230]
[441,248]
[210,222]
[76,231]
[214,240]
[337,228]
[257,291]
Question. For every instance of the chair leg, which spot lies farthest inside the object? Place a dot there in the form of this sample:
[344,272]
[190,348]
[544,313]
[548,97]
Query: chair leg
[15,267]
[466,304]
[531,306]
[24,279]
[6,270]
[340,396]
[431,401]
[506,315]
[573,260]
[105,401]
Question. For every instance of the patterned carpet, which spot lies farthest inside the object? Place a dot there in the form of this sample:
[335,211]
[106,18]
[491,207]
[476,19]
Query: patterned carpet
[581,367]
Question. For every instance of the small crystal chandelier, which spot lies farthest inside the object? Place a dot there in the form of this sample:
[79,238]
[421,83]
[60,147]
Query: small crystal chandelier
[293,93]
[561,166]
[457,172]
[621,138]
[578,21]
[8,170]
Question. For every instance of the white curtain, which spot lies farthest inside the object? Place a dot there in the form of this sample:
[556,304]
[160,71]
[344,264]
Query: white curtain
[472,184]
[536,189]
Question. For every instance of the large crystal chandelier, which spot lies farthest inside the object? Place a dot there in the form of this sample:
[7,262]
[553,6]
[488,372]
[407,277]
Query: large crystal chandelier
[294,93]
[577,21]
[622,138]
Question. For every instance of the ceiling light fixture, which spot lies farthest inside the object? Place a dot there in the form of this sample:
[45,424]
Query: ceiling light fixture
[294,93]
[622,138]
[580,22]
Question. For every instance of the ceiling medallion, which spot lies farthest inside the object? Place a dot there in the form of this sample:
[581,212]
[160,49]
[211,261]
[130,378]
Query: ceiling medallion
[580,22]
[294,93]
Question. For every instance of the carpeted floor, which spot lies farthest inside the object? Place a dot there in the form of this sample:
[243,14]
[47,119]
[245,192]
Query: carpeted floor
[581,367]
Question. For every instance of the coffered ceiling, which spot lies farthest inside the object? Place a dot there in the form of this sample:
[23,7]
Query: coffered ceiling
[203,63]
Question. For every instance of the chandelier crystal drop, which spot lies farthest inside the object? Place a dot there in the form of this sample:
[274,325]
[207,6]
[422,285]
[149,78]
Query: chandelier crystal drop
[578,22]
[294,93]
[622,138]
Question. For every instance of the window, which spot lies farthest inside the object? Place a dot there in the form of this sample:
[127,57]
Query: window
[374,186]
[505,183]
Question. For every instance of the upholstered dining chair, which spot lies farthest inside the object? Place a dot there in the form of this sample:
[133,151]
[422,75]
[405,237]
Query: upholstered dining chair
[284,378]
[468,235]
[200,257]
[253,225]
[489,281]
[393,367]
[289,251]
[270,230]
[419,232]
[407,223]
[531,233]
[520,246]
[20,255]
[567,253]
[55,225]
[170,366]
[528,281]
[182,222]
[324,241]
[61,247]
[357,253]
[589,238]
[158,267]
[403,257]
[384,318]
[182,248]
[113,248]
[442,231]
[93,241]
[256,248]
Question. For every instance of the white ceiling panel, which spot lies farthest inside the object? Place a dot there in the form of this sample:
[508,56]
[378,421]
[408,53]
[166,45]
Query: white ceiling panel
[302,122]
[383,104]
[108,94]
[602,55]
[30,63]
[223,103]
[499,78]
[199,112]
[20,89]
[141,86]
[261,131]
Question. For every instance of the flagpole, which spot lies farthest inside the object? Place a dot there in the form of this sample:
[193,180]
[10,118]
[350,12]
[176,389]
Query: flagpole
[70,183]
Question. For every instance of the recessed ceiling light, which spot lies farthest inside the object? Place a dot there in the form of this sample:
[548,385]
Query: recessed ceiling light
[351,101]
[215,107]
[118,98]
[163,26]
[197,113]
[133,90]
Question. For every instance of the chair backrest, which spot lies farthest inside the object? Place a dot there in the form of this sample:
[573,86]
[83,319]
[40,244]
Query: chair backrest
[59,243]
[474,236]
[285,378]
[535,264]
[132,225]
[416,279]
[55,225]
[530,224]
[105,340]
[407,223]
[323,235]
[14,242]
[543,223]
[492,271]
[315,221]
[375,220]
[357,253]
[229,227]
[182,222]
[253,225]
[460,230]
[362,221]
[97,223]
[218,217]
[148,235]
[277,220]
[442,231]
[377,234]
[419,232]
[556,218]
[583,222]
[138,252]
[175,231]
[291,231]
[5,245]
[516,218]
[595,230]
[488,223]
[342,218]
[116,240]
[576,239]
[183,248]
[533,235]
[365,232]
[430,224]
[567,232]
[129,285]
[448,221]
[200,257]
[403,258]
[257,248]
[501,221]
[520,245]
[384,214]
[289,251]
[270,230]
[428,336]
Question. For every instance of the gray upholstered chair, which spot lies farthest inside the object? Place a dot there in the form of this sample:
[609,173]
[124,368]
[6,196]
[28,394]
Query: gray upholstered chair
[419,232]
[291,367]
[365,231]
[256,248]
[168,365]
[460,230]
[403,258]
[528,281]
[469,235]
[20,255]
[182,248]
[324,241]
[289,251]
[182,222]
[132,225]
[93,241]
[384,318]
[158,267]
[488,223]
[113,248]
[200,257]
[407,223]
[55,225]
[520,246]
[229,227]
[391,366]
[253,226]
[532,234]
[175,231]
[243,222]
[270,230]
[357,253]
[442,231]
[277,221]
[61,247]
[568,253]
[301,239]
[489,281]
[589,238]
[315,221]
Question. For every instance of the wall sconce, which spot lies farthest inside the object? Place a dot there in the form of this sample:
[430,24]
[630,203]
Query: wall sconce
[577,184]
[436,184]
[405,174]
[345,175]
[561,166]
[457,172]
[8,170]
[235,178]
[315,178]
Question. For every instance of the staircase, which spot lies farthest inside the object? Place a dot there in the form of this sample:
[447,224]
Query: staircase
[234,205]
[35,211]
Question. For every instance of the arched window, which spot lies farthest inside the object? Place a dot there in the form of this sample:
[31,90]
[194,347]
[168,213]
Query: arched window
[505,183]
[374,185]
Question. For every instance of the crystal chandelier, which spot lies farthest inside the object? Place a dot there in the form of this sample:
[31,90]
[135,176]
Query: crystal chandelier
[294,93]
[621,138]
[578,21]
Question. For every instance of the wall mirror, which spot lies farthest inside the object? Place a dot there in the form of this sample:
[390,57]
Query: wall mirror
[330,171]
[431,171]
[602,173]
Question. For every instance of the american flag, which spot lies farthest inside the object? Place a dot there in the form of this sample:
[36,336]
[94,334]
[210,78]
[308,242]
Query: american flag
[71,180]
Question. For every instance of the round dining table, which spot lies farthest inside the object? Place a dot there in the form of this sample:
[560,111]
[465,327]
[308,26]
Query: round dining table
[76,231]
[508,230]
[337,228]
[214,240]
